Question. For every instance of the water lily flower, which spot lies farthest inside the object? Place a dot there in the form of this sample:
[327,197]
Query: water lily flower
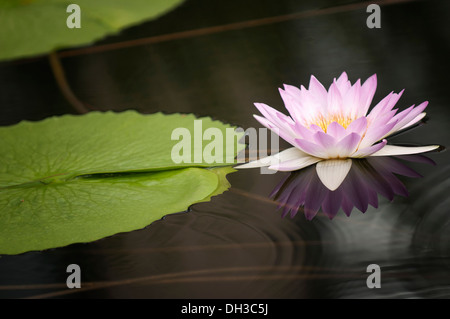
[330,127]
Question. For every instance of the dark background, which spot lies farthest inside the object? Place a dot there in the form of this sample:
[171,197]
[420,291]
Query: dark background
[237,246]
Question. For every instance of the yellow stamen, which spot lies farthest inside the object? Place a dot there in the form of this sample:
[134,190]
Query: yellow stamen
[323,122]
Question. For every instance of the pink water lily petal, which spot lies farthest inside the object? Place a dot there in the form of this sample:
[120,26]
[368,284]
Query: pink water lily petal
[308,100]
[385,117]
[303,132]
[385,105]
[276,117]
[265,122]
[318,91]
[375,133]
[408,117]
[293,91]
[343,83]
[351,99]
[417,119]
[281,132]
[400,116]
[334,99]
[336,130]
[390,150]
[325,140]
[337,149]
[347,146]
[379,108]
[292,102]
[367,151]
[316,88]
[314,128]
[283,119]
[358,126]
[311,148]
[367,92]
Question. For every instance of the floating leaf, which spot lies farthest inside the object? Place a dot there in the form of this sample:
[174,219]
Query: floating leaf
[89,208]
[80,178]
[31,27]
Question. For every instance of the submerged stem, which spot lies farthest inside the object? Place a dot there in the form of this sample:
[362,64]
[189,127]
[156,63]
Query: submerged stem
[61,80]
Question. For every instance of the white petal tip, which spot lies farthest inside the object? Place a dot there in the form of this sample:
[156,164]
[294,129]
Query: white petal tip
[333,172]
[392,150]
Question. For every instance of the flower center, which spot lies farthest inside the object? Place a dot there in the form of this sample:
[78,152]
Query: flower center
[323,122]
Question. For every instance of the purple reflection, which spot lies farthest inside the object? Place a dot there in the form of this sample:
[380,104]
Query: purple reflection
[303,190]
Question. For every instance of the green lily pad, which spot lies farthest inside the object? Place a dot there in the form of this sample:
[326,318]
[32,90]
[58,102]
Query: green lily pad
[32,27]
[73,179]
[87,209]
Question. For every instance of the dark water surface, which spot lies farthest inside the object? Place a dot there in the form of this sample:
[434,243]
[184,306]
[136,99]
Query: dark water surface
[237,245]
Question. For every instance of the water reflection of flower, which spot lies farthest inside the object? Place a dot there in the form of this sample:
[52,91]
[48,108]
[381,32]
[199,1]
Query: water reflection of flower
[367,178]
